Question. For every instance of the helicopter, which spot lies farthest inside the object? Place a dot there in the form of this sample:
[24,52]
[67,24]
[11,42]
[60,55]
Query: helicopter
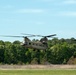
[27,43]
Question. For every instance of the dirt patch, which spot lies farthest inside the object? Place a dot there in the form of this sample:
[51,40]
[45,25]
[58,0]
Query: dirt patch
[23,67]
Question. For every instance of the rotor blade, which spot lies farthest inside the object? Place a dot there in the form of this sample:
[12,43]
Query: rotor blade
[50,35]
[14,36]
[39,35]
[28,34]
[10,36]
[32,35]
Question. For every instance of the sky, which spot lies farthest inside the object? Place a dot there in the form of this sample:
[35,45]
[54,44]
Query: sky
[42,17]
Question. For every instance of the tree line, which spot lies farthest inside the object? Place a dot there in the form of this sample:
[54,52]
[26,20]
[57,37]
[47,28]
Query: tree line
[59,52]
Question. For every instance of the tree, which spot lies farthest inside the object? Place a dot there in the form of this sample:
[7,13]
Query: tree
[2,49]
[60,53]
[17,42]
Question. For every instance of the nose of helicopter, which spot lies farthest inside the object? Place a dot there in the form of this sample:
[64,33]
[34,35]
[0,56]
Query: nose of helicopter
[22,44]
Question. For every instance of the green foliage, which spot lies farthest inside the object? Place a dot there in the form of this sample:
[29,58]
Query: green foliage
[2,50]
[59,52]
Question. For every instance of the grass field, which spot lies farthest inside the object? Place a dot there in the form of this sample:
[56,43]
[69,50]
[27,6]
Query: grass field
[38,72]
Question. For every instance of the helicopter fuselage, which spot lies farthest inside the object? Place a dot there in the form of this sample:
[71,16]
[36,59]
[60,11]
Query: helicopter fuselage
[35,45]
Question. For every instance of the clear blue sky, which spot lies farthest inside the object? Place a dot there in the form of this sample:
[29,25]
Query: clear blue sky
[38,17]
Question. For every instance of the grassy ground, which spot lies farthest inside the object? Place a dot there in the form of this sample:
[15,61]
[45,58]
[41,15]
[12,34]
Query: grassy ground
[39,72]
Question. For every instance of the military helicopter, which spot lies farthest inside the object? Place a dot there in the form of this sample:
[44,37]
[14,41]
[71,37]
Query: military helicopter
[27,43]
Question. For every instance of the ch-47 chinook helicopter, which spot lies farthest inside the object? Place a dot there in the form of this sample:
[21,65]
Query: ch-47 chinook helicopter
[27,43]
